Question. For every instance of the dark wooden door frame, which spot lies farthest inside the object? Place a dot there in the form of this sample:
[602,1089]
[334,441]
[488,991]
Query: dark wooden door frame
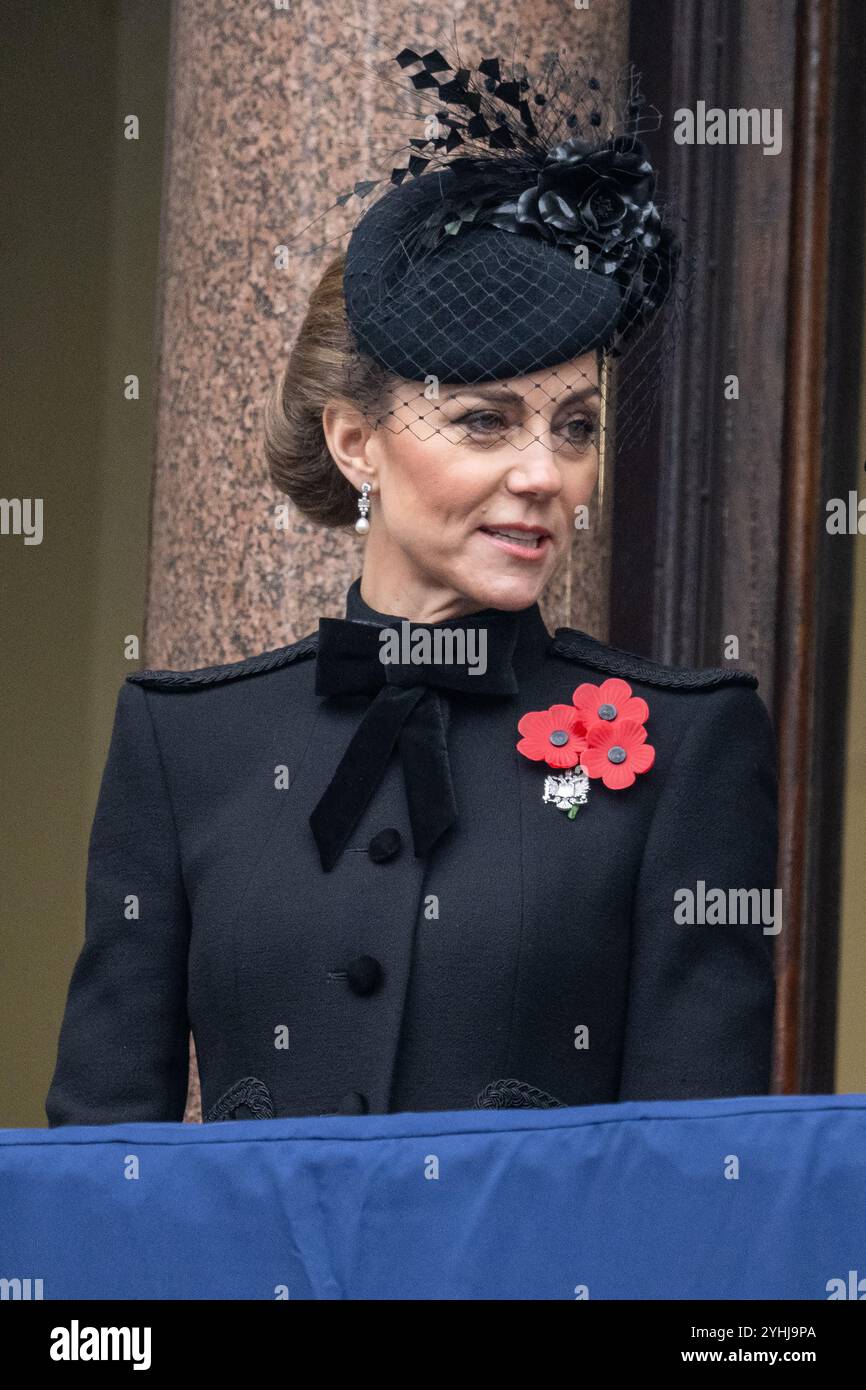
[724,504]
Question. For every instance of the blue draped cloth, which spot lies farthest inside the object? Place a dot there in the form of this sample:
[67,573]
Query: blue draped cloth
[759,1197]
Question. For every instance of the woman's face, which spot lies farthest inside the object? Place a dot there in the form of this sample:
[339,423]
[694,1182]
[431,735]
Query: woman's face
[474,494]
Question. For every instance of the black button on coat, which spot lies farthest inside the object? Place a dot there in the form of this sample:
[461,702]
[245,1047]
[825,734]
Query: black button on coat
[525,945]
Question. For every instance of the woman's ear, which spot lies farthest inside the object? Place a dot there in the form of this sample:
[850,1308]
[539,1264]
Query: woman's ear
[347,434]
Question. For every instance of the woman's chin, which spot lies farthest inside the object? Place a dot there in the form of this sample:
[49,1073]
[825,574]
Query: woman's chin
[509,592]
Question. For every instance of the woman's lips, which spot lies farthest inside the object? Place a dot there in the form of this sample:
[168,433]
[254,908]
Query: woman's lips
[524,543]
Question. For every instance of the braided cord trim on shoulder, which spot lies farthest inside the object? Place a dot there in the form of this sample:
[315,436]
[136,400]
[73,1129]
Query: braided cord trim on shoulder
[579,646]
[234,670]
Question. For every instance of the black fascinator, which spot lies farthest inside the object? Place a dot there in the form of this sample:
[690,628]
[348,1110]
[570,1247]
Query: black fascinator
[520,231]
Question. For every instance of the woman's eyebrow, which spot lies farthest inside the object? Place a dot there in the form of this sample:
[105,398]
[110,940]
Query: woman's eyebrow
[503,396]
[584,394]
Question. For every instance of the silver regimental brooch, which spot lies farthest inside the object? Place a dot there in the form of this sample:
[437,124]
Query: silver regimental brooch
[568,791]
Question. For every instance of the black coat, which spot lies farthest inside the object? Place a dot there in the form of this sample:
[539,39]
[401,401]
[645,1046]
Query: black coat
[525,944]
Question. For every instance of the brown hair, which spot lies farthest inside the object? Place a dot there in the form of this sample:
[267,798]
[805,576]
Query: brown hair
[324,365]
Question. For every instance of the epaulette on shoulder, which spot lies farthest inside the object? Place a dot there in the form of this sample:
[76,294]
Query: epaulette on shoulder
[233,671]
[579,646]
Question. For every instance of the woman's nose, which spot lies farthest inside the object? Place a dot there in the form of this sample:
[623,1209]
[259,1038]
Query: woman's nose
[535,467]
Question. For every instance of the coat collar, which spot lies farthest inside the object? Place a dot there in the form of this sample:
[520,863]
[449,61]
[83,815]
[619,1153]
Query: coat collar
[533,639]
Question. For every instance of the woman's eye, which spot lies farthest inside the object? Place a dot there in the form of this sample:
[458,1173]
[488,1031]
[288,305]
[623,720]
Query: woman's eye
[581,431]
[483,421]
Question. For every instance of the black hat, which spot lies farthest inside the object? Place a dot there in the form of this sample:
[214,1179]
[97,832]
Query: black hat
[522,231]
[481,305]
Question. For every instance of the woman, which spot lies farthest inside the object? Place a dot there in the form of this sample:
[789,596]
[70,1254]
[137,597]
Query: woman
[432,856]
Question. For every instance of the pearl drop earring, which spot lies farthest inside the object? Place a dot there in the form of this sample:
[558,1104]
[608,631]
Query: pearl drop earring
[362,525]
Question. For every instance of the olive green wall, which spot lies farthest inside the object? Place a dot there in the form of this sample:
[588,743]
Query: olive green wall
[81,239]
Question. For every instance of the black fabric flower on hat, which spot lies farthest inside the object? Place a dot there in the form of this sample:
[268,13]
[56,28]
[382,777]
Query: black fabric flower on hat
[601,197]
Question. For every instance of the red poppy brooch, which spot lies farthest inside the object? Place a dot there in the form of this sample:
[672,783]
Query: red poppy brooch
[600,734]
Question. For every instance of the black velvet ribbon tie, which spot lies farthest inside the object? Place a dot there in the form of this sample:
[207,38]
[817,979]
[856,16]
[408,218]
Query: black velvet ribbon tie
[405,712]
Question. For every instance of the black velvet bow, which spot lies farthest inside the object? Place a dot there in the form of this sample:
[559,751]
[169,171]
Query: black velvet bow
[407,711]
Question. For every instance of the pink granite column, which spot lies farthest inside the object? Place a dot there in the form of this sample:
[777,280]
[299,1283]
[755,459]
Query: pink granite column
[273,111]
